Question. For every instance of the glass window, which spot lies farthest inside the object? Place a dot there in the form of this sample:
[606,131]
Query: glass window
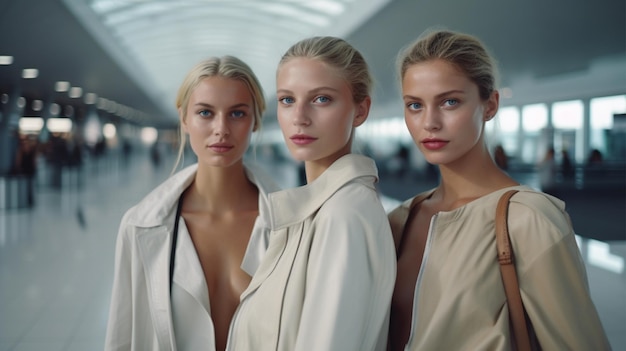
[504,128]
[601,111]
[536,136]
[534,117]
[567,114]
[567,119]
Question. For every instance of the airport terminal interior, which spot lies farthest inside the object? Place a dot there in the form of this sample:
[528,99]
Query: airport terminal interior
[88,127]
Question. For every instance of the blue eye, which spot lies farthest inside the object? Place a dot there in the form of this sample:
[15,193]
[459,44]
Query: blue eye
[238,114]
[205,113]
[413,106]
[322,99]
[286,100]
[451,102]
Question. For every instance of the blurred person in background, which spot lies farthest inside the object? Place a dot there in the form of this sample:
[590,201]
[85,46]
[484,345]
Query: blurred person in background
[26,163]
[501,158]
[547,170]
[187,251]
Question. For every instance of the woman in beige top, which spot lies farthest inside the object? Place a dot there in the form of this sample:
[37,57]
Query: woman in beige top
[448,293]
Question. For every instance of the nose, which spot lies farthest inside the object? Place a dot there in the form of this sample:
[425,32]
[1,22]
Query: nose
[221,127]
[300,115]
[432,120]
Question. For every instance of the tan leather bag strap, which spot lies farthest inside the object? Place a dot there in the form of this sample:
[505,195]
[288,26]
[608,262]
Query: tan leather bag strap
[509,276]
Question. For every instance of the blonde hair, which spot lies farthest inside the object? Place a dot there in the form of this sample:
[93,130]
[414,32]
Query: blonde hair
[337,53]
[227,67]
[464,51]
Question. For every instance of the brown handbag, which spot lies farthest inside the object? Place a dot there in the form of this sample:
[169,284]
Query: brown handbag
[506,259]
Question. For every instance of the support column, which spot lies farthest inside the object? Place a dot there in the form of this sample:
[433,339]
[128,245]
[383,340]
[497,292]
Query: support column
[586,135]
[521,135]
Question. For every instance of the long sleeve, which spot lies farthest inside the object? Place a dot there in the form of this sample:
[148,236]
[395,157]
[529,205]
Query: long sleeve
[553,284]
[119,327]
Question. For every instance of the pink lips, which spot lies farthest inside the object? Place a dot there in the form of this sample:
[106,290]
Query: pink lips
[302,139]
[220,147]
[434,144]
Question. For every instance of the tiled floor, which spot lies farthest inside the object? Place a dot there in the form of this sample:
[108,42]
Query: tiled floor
[56,262]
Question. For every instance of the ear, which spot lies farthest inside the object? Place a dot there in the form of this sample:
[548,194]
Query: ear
[491,105]
[255,125]
[183,122]
[362,111]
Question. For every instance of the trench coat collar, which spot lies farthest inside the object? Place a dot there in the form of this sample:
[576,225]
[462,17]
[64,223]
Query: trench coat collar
[154,218]
[158,206]
[291,206]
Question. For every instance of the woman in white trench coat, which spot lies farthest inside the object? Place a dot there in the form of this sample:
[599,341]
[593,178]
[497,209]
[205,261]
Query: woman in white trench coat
[182,251]
[326,280]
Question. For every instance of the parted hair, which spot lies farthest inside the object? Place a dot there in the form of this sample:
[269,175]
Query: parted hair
[464,51]
[226,67]
[337,53]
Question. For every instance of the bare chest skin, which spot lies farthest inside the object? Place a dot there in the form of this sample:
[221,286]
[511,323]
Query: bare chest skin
[410,256]
[411,252]
[220,242]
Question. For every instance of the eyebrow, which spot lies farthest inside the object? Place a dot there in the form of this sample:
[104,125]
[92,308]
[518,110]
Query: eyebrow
[438,96]
[203,104]
[316,90]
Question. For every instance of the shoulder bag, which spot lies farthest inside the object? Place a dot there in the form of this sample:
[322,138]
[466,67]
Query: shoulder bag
[506,259]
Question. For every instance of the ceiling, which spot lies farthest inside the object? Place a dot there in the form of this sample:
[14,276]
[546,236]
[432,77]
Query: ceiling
[134,54]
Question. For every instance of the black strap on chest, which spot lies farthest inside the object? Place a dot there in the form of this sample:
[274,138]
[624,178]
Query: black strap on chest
[179,207]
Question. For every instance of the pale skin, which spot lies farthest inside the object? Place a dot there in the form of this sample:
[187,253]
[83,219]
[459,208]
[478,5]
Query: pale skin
[221,205]
[446,117]
[315,100]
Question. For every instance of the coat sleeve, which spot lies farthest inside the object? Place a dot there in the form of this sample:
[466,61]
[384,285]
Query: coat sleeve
[120,326]
[553,280]
[350,278]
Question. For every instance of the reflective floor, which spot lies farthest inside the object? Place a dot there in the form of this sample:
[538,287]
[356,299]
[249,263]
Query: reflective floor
[56,259]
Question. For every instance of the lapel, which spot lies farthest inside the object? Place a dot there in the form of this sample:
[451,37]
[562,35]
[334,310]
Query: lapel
[277,246]
[154,249]
[188,273]
[290,208]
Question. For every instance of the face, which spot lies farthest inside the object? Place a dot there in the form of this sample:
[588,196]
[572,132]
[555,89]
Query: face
[316,111]
[219,120]
[444,113]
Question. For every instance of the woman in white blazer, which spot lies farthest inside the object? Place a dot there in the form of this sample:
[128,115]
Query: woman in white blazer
[326,280]
[182,251]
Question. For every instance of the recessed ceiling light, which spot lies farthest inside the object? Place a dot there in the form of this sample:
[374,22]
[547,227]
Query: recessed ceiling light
[6,60]
[91,98]
[59,125]
[55,109]
[62,86]
[30,124]
[76,92]
[30,73]
[37,105]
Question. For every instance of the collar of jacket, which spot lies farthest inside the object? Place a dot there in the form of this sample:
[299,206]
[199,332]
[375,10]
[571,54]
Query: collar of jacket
[154,209]
[291,206]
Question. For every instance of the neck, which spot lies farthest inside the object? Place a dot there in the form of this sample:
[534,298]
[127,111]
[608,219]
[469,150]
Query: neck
[221,189]
[471,177]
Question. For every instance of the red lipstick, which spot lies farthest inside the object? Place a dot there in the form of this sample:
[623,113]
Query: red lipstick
[221,147]
[434,143]
[302,139]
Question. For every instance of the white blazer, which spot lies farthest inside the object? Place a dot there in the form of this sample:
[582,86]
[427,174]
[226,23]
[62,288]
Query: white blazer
[141,315]
[326,280]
